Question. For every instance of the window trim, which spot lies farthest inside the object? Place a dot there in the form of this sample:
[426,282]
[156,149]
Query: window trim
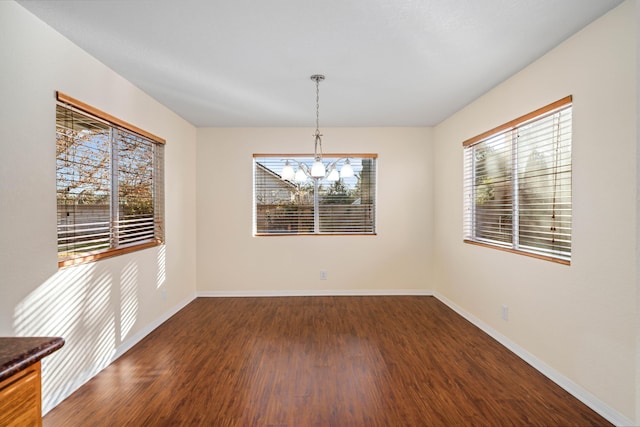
[307,155]
[66,99]
[519,121]
[511,125]
[85,259]
[70,102]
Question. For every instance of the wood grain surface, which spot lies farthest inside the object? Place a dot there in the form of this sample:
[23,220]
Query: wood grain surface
[320,361]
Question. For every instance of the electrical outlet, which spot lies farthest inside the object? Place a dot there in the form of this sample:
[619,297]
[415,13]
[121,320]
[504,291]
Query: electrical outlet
[505,313]
[323,274]
[164,295]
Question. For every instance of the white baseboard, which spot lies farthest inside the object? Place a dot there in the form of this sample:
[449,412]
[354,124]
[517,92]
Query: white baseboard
[315,293]
[134,339]
[50,402]
[574,389]
[578,392]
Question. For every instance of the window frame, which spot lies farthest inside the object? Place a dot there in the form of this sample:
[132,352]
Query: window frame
[511,126]
[119,125]
[310,158]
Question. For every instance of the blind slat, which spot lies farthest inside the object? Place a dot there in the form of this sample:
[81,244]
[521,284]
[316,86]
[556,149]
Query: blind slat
[283,206]
[517,185]
[110,186]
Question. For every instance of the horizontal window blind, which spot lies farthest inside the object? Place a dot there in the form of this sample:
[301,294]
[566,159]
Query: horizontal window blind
[109,188]
[83,183]
[345,206]
[135,175]
[517,185]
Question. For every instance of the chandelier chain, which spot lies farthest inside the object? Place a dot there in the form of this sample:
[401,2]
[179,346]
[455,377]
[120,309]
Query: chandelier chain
[317,78]
[317,106]
[317,151]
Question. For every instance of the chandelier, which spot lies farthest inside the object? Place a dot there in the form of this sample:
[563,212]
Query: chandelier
[318,170]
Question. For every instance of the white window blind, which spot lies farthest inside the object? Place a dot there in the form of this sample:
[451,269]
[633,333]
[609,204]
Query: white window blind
[346,206]
[517,184]
[110,187]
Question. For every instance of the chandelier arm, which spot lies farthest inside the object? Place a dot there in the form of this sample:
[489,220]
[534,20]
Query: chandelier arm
[334,164]
[331,166]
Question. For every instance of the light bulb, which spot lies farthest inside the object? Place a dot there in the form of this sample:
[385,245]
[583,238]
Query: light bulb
[287,172]
[300,176]
[346,171]
[333,175]
[317,170]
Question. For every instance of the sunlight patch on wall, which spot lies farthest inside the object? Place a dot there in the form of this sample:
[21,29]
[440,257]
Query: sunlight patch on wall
[128,299]
[38,312]
[99,322]
[162,263]
[76,304]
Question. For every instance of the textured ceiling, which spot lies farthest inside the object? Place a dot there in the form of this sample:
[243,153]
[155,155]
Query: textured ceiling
[248,62]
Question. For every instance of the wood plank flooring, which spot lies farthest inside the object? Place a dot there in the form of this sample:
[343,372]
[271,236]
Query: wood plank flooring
[320,361]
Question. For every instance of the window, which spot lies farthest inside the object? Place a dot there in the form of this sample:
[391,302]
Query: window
[110,186]
[517,185]
[283,207]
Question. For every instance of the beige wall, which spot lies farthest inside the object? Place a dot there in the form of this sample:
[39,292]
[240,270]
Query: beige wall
[579,320]
[103,307]
[232,261]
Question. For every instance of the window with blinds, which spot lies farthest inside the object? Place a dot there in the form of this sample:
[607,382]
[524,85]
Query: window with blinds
[517,185]
[308,206]
[110,186]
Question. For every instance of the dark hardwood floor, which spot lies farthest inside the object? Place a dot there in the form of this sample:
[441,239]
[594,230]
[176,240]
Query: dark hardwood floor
[320,361]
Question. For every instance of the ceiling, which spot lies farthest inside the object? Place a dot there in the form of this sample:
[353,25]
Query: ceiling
[249,62]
